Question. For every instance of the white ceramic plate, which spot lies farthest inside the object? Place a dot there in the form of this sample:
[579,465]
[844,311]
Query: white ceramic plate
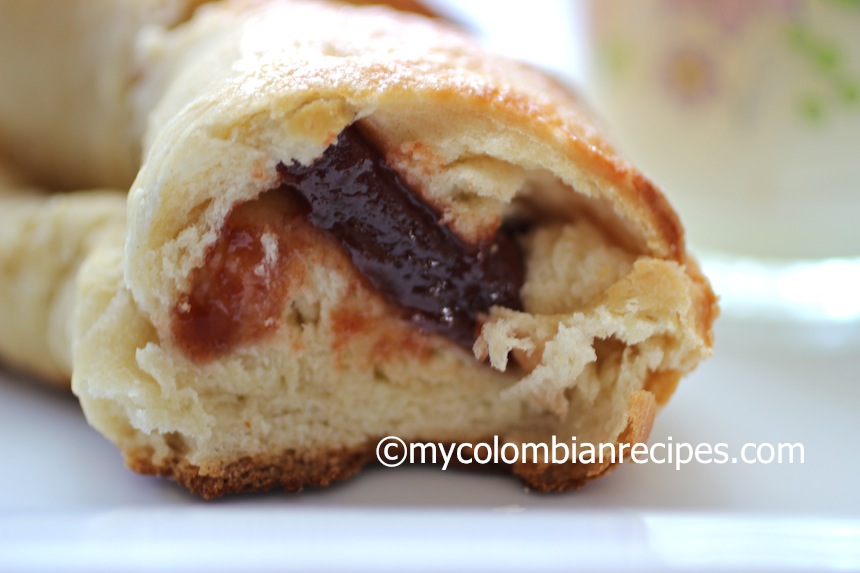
[68,503]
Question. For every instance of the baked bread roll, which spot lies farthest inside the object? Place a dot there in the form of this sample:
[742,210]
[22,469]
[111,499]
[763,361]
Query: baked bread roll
[257,337]
[43,240]
[352,223]
[67,73]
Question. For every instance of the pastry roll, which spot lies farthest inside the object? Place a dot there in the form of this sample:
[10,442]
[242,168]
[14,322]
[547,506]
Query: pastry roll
[352,223]
[43,240]
[67,72]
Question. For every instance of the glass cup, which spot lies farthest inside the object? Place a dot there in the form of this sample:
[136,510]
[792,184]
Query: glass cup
[747,113]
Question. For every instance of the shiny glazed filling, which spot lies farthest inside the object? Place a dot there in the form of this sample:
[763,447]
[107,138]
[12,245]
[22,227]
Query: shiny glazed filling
[393,239]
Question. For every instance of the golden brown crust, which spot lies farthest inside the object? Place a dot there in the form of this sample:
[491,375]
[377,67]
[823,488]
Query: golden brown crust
[290,471]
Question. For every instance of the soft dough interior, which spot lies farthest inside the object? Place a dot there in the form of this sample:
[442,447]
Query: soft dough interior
[343,369]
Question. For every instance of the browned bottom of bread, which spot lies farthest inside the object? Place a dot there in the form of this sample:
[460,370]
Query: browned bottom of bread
[290,470]
[294,470]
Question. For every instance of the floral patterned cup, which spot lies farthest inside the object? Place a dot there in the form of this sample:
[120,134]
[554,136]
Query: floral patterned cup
[747,113]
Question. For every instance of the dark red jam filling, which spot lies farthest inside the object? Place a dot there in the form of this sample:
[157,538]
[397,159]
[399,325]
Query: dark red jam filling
[237,296]
[395,240]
